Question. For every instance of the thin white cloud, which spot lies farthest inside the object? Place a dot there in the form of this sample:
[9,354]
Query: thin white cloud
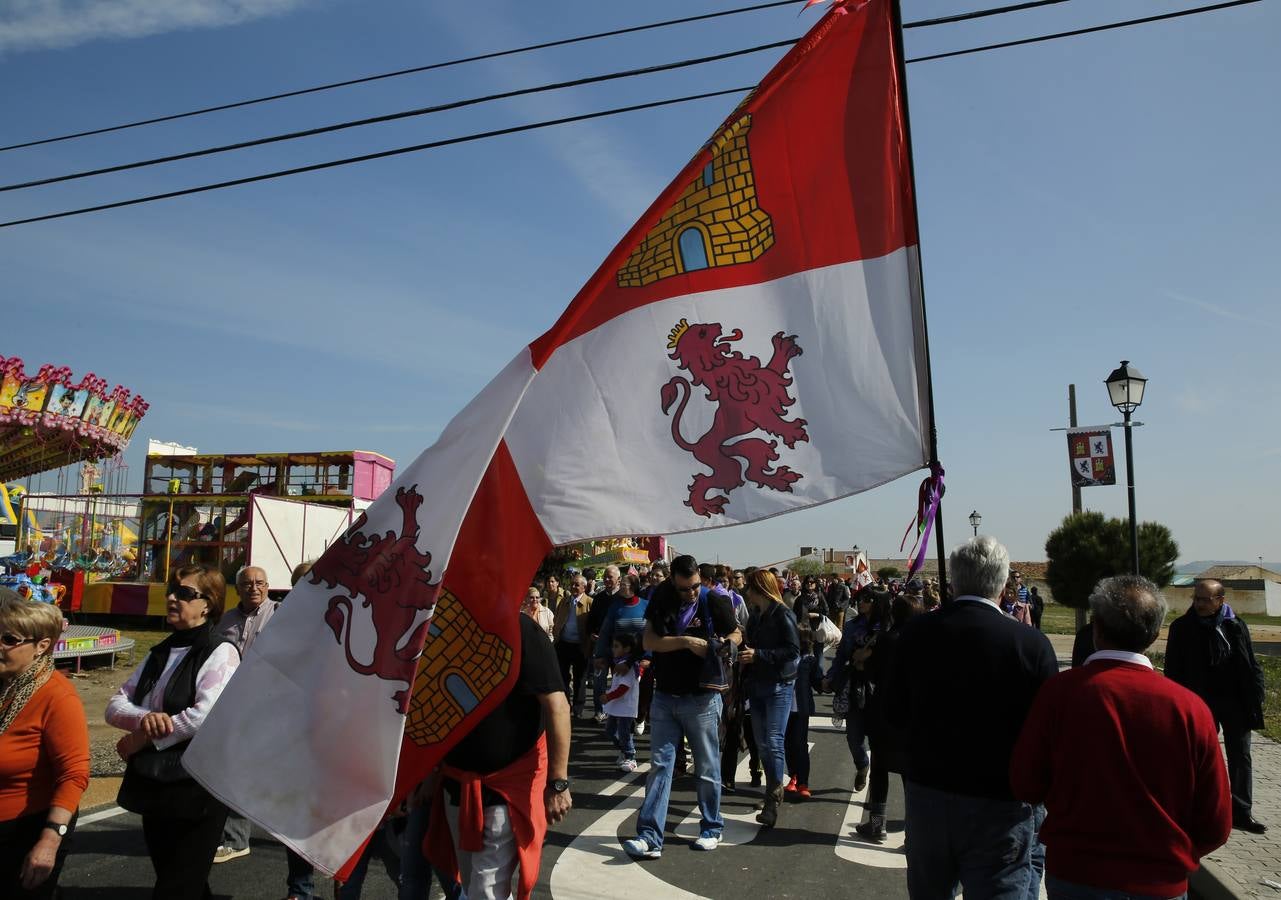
[41,24]
[604,164]
[1220,311]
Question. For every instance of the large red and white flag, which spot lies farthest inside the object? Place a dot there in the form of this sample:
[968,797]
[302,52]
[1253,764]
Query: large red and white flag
[753,345]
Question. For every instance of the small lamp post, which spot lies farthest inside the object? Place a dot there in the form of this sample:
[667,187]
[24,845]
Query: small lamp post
[1125,389]
[975,519]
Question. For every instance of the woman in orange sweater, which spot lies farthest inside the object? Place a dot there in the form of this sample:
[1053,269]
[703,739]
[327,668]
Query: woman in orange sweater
[44,750]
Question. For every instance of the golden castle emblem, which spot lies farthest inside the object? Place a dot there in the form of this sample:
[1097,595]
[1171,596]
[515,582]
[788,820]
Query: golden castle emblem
[460,665]
[716,221]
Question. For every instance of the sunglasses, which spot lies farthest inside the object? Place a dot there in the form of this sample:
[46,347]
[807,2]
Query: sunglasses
[12,640]
[187,594]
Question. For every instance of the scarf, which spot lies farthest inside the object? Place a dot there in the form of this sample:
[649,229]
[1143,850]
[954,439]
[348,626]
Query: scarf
[685,615]
[1220,646]
[182,684]
[22,688]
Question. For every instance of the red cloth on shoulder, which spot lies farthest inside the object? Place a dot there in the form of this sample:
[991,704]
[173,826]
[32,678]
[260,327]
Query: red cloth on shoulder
[521,784]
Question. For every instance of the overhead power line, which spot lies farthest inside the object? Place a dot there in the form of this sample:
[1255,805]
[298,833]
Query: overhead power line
[430,145]
[980,14]
[496,54]
[579,118]
[1079,31]
[480,57]
[404,114]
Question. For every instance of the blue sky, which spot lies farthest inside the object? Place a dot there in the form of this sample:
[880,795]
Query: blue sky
[1082,201]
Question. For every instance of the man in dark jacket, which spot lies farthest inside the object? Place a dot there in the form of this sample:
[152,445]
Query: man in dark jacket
[962,682]
[1209,653]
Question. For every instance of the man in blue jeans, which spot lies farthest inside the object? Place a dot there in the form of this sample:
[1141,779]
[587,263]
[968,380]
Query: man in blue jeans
[973,671]
[680,619]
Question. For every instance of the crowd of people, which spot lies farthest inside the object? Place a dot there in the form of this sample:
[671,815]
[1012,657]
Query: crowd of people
[1104,781]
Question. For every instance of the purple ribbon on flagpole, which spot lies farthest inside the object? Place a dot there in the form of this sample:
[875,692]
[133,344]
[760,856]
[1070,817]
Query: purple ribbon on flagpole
[931,492]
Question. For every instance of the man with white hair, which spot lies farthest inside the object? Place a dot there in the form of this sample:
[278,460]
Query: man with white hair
[602,602]
[241,626]
[1126,762]
[963,681]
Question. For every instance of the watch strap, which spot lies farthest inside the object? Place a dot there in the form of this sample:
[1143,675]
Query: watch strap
[58,827]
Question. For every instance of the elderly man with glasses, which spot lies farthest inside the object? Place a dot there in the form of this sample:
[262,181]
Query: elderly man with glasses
[242,625]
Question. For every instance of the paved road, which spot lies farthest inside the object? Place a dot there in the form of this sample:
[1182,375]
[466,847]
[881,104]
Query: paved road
[813,851]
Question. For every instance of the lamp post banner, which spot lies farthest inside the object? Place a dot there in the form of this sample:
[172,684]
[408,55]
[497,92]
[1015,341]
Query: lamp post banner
[1090,452]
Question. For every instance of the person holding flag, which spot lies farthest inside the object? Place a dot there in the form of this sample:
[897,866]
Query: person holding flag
[502,784]
[722,322]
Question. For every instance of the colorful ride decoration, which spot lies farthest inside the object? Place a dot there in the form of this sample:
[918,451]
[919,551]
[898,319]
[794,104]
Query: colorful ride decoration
[84,639]
[89,533]
[39,589]
[49,420]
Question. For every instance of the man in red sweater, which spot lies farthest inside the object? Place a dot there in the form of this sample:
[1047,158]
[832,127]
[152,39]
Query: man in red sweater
[1126,762]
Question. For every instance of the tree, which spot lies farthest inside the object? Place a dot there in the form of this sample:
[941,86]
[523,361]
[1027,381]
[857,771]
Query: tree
[1158,552]
[806,567]
[885,573]
[1089,546]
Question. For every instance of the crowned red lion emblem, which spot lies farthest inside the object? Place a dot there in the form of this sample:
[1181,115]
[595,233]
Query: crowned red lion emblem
[749,397]
[390,575]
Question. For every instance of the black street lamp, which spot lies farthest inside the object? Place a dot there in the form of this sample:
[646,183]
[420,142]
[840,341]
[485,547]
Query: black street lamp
[975,519]
[1125,388]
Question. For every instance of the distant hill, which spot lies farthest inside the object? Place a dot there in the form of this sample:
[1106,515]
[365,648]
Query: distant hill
[1199,566]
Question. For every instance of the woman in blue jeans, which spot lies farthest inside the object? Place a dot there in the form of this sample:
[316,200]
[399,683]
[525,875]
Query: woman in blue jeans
[770,663]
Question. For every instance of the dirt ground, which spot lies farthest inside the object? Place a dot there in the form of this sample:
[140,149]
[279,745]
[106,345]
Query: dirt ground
[95,685]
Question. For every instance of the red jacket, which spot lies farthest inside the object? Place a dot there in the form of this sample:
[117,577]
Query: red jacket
[1128,766]
[521,784]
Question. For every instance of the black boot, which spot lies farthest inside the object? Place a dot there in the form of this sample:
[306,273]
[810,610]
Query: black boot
[873,829]
[773,800]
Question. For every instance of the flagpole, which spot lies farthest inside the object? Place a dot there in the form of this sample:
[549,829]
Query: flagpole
[896,13]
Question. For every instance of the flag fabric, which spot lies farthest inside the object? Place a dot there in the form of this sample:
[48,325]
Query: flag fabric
[753,345]
[1090,452]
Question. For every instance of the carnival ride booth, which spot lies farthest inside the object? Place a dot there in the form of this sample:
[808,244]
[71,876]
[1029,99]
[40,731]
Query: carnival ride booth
[621,552]
[271,510]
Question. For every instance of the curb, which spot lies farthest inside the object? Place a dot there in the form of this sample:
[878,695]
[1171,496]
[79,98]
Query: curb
[1211,882]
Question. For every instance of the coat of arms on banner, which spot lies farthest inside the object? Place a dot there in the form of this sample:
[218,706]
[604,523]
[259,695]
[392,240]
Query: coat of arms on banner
[388,575]
[1091,454]
[749,397]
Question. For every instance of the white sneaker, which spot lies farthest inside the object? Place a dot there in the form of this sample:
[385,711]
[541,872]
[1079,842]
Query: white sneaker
[602,718]
[640,728]
[707,842]
[226,854]
[627,765]
[639,848]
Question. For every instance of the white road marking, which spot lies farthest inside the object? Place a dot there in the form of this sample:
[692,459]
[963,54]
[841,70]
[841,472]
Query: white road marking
[740,827]
[594,864]
[850,846]
[109,813]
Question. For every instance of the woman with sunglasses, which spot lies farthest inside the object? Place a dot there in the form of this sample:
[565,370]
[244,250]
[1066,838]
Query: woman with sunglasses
[44,750]
[161,706]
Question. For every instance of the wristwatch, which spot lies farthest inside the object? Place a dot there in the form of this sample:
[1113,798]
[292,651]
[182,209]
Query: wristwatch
[58,827]
[559,785]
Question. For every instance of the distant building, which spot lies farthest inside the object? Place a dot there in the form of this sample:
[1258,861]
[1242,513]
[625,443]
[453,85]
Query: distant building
[1251,589]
